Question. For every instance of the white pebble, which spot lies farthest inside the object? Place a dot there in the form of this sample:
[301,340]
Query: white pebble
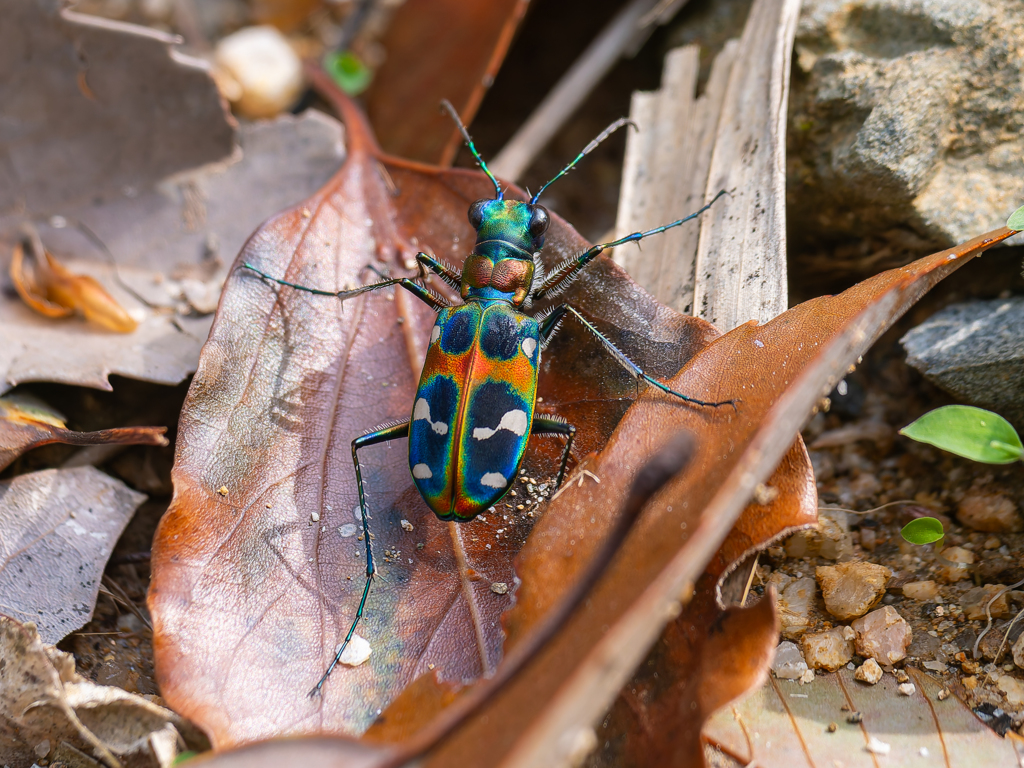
[907,689]
[357,652]
[876,747]
[267,73]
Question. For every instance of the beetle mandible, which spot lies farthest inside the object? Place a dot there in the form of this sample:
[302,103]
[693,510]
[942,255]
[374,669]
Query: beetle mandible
[474,408]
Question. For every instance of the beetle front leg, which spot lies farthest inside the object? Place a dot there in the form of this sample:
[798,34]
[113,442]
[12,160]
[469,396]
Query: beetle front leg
[445,271]
[380,435]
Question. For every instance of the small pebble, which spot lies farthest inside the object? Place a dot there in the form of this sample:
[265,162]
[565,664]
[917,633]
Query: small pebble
[975,600]
[406,525]
[869,672]
[854,717]
[829,650]
[796,605]
[852,589]
[259,72]
[921,590]
[882,635]
[499,588]
[943,694]
[314,516]
[832,727]
[788,663]
[807,677]
[957,570]
[223,490]
[907,689]
[991,512]
[1018,652]
[877,747]
[356,652]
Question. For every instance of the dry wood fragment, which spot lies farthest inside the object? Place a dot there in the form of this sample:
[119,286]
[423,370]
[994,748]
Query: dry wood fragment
[733,268]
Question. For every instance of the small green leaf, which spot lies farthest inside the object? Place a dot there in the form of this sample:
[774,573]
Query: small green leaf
[973,433]
[1016,220]
[183,757]
[923,530]
[348,71]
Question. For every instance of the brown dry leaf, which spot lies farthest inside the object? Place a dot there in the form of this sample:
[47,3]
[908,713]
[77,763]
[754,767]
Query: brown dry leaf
[785,725]
[26,424]
[54,291]
[286,382]
[547,714]
[57,530]
[778,370]
[438,49]
[45,705]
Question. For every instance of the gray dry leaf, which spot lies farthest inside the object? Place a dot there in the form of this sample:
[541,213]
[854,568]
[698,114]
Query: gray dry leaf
[47,708]
[57,530]
[282,161]
[144,156]
[77,123]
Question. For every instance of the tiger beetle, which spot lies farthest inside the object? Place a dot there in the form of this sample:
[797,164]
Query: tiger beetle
[474,408]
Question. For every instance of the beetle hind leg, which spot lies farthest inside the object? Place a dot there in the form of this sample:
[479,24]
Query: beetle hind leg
[553,425]
[380,435]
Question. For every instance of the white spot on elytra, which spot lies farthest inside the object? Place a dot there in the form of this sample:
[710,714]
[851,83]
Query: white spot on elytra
[435,334]
[493,480]
[422,472]
[529,345]
[422,411]
[356,652]
[514,421]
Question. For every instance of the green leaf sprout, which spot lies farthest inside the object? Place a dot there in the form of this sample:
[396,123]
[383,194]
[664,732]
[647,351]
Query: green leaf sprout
[1016,220]
[923,530]
[973,433]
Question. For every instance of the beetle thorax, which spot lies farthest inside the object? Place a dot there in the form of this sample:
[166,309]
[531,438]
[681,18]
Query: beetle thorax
[485,277]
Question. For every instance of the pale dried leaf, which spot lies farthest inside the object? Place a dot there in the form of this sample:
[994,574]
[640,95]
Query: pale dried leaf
[43,699]
[148,234]
[57,530]
[785,725]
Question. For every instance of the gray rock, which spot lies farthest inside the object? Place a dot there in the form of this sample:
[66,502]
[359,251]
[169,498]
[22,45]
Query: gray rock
[906,121]
[975,351]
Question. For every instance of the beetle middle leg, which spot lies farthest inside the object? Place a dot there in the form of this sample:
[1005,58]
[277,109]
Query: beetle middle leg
[552,425]
[379,435]
[550,324]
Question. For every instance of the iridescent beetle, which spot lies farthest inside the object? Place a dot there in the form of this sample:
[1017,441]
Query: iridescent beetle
[474,407]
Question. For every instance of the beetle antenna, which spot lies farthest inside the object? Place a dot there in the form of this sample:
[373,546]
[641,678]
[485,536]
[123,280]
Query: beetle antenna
[586,151]
[447,106]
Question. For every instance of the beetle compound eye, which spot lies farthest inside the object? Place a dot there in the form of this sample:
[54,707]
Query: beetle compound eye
[539,221]
[476,213]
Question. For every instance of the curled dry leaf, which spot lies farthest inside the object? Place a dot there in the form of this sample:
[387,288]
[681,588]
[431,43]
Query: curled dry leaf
[54,291]
[779,371]
[57,530]
[25,424]
[46,705]
[286,382]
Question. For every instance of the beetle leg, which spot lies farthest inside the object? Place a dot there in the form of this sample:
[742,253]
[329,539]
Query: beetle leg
[380,435]
[445,271]
[551,322]
[428,297]
[553,425]
[565,273]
